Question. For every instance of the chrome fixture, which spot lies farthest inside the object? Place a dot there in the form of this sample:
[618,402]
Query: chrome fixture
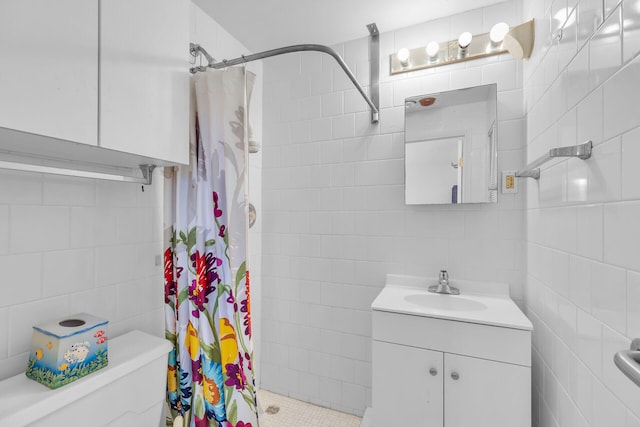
[628,361]
[146,170]
[196,50]
[518,41]
[582,151]
[443,285]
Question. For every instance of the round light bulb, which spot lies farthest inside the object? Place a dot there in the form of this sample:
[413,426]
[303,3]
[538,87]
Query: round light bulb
[465,40]
[498,32]
[403,56]
[432,49]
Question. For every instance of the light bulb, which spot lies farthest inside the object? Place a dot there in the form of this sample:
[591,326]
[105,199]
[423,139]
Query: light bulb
[403,56]
[465,40]
[432,49]
[498,32]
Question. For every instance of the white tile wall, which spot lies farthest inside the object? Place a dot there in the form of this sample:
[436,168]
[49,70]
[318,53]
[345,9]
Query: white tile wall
[335,221]
[59,241]
[586,212]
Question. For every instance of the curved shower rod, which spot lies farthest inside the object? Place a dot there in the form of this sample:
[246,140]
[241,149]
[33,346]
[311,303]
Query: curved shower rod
[195,49]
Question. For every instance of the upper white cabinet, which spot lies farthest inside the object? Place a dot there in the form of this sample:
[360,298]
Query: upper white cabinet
[111,75]
[144,84]
[49,68]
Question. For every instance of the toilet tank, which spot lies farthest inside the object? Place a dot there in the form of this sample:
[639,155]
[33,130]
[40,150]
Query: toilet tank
[129,392]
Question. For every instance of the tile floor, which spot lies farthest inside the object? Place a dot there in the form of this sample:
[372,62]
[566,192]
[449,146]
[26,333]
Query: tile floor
[294,413]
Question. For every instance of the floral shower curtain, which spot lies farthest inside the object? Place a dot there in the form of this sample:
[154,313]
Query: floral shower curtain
[207,308]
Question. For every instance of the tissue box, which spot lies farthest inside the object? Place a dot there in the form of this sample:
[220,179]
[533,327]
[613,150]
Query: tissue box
[67,349]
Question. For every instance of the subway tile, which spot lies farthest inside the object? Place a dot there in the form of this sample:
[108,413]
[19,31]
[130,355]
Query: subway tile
[466,77]
[38,228]
[608,411]
[630,29]
[4,230]
[590,16]
[65,272]
[604,172]
[620,95]
[605,50]
[590,117]
[343,126]
[622,234]
[4,334]
[578,77]
[590,342]
[568,44]
[622,389]
[630,154]
[20,187]
[300,132]
[321,129]
[590,236]
[69,191]
[332,104]
[23,274]
[608,296]
[581,388]
[633,304]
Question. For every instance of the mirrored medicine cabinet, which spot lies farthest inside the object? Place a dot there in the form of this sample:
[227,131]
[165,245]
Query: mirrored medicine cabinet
[451,147]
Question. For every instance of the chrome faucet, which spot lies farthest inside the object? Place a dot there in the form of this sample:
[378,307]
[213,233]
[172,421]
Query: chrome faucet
[443,285]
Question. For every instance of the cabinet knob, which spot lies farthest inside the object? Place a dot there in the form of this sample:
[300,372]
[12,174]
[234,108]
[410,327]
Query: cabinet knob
[433,372]
[455,376]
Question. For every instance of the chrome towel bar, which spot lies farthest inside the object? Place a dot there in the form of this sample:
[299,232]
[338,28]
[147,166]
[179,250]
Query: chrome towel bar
[582,151]
[628,361]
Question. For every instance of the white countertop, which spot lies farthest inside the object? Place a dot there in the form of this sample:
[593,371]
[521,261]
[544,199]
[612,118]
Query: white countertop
[478,302]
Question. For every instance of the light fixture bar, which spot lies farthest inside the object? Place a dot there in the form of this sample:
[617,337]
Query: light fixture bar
[518,41]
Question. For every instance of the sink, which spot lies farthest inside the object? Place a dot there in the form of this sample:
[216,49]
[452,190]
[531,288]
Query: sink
[445,302]
[484,303]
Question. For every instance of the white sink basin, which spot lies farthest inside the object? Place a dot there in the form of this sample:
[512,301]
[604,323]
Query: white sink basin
[478,302]
[445,302]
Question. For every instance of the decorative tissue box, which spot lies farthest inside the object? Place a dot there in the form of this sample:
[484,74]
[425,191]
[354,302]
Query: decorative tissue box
[67,349]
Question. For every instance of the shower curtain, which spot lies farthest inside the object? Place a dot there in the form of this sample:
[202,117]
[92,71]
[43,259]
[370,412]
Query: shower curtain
[207,307]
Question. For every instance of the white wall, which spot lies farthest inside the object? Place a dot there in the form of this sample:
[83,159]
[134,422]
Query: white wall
[335,221]
[583,228]
[70,245]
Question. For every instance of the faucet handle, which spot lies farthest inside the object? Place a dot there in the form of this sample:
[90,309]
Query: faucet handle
[444,276]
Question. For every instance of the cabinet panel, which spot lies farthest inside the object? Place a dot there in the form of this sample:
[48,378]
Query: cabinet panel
[49,68]
[486,394]
[404,392]
[144,78]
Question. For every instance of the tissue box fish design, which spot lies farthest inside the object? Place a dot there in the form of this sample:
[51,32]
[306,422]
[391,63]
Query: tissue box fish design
[68,349]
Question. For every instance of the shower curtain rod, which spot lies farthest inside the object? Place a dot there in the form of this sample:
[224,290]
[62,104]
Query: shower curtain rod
[195,49]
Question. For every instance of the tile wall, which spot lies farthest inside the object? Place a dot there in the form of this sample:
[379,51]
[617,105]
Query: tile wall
[583,233]
[335,221]
[70,245]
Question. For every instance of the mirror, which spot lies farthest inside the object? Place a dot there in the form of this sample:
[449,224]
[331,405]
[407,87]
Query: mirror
[450,146]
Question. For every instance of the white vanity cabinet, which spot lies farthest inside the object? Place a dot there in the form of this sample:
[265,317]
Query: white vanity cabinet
[449,361]
[95,73]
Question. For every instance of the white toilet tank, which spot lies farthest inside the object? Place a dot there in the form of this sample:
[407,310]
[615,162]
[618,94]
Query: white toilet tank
[129,392]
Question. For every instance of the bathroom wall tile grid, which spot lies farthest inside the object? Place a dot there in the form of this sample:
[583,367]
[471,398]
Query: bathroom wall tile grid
[334,216]
[583,234]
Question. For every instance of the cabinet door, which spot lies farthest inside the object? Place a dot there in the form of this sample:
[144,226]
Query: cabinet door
[144,77]
[49,68]
[405,392]
[486,393]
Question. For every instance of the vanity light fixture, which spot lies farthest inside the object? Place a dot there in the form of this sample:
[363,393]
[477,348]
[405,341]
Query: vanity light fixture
[403,56]
[433,48]
[518,41]
[498,32]
[465,40]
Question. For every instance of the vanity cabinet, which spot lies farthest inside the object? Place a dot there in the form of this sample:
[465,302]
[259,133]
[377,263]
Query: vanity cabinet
[111,74]
[427,387]
[449,360]
[433,388]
